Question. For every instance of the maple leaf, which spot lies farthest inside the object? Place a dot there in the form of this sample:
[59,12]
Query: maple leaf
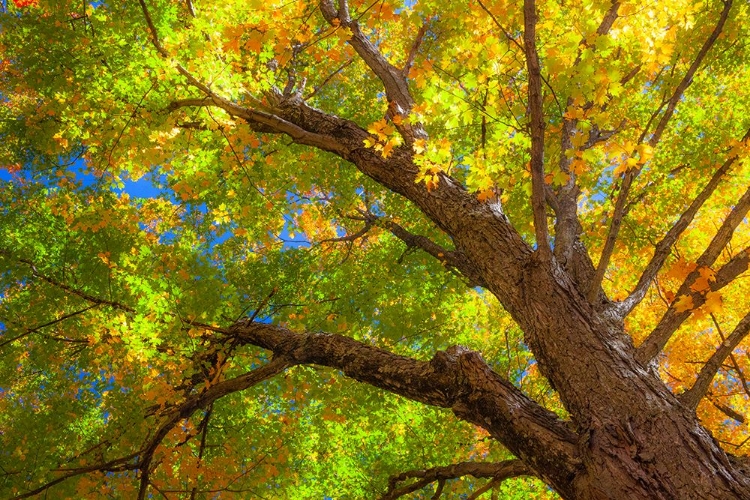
[683,303]
[578,166]
[486,194]
[714,303]
[703,282]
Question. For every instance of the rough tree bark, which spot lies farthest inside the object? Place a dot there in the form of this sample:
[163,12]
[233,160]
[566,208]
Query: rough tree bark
[628,435]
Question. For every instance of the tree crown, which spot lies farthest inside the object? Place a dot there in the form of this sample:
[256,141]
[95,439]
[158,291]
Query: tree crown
[204,203]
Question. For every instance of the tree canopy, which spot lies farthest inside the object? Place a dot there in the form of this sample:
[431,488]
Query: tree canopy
[374,249]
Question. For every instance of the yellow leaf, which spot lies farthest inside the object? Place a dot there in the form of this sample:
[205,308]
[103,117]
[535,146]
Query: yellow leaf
[346,34]
[707,273]
[683,303]
[680,269]
[645,152]
[714,303]
[628,164]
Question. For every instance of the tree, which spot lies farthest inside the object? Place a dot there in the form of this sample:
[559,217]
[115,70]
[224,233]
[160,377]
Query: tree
[389,248]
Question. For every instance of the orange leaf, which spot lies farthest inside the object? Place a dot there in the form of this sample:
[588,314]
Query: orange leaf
[703,283]
[683,303]
[714,303]
[680,269]
[486,194]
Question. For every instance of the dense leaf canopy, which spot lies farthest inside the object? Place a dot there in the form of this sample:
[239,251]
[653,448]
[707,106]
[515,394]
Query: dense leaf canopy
[214,215]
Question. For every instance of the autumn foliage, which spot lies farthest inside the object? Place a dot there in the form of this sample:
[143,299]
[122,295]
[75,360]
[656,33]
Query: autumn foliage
[24,3]
[485,249]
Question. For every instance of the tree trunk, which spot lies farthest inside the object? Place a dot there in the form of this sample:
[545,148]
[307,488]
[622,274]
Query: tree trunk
[628,437]
[633,438]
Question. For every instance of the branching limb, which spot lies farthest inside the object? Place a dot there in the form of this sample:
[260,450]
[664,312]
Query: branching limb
[692,396]
[29,331]
[569,253]
[536,111]
[142,459]
[267,121]
[369,220]
[397,173]
[497,471]
[393,79]
[664,247]
[729,271]
[415,48]
[631,175]
[306,125]
[687,80]
[450,258]
[457,378]
[117,465]
[201,401]
[73,291]
[672,319]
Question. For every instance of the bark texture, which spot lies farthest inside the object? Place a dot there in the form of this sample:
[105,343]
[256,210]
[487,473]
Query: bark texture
[628,436]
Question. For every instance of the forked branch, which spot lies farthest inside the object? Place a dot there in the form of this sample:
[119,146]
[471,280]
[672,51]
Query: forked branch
[499,471]
[627,182]
[692,396]
[572,255]
[664,247]
[447,257]
[141,460]
[393,79]
[672,319]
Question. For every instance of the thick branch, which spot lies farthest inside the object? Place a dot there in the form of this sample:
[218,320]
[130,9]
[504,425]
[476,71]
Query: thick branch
[458,379]
[536,110]
[672,319]
[729,271]
[692,396]
[630,175]
[663,248]
[500,471]
[345,138]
